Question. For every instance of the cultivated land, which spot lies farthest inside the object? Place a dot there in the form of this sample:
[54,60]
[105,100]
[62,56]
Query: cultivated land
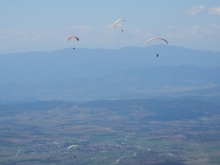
[157,132]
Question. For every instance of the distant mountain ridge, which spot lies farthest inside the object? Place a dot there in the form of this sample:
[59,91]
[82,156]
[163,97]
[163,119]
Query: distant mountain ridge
[149,82]
[94,74]
[81,63]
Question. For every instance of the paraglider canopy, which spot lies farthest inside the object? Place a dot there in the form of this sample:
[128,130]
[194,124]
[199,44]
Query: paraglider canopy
[73,146]
[156,39]
[73,37]
[119,20]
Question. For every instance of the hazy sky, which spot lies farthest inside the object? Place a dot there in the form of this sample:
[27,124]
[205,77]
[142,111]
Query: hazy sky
[33,25]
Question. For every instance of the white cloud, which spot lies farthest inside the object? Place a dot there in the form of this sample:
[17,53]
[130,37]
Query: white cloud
[105,37]
[195,10]
[214,11]
[194,32]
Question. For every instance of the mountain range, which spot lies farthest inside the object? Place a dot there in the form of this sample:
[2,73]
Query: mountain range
[92,74]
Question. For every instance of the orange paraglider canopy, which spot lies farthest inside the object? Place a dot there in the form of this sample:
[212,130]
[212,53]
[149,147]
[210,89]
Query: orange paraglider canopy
[73,37]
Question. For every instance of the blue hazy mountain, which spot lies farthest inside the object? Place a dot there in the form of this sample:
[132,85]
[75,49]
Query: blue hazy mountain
[81,62]
[93,74]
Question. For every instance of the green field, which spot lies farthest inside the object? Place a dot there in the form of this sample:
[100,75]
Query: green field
[107,134]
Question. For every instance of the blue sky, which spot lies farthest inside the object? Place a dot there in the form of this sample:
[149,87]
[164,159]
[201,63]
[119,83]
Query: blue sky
[45,25]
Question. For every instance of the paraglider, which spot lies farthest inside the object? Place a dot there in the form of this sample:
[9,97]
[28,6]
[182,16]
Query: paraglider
[156,39]
[73,37]
[116,23]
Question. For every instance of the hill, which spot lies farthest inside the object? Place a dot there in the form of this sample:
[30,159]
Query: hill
[81,63]
[94,74]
